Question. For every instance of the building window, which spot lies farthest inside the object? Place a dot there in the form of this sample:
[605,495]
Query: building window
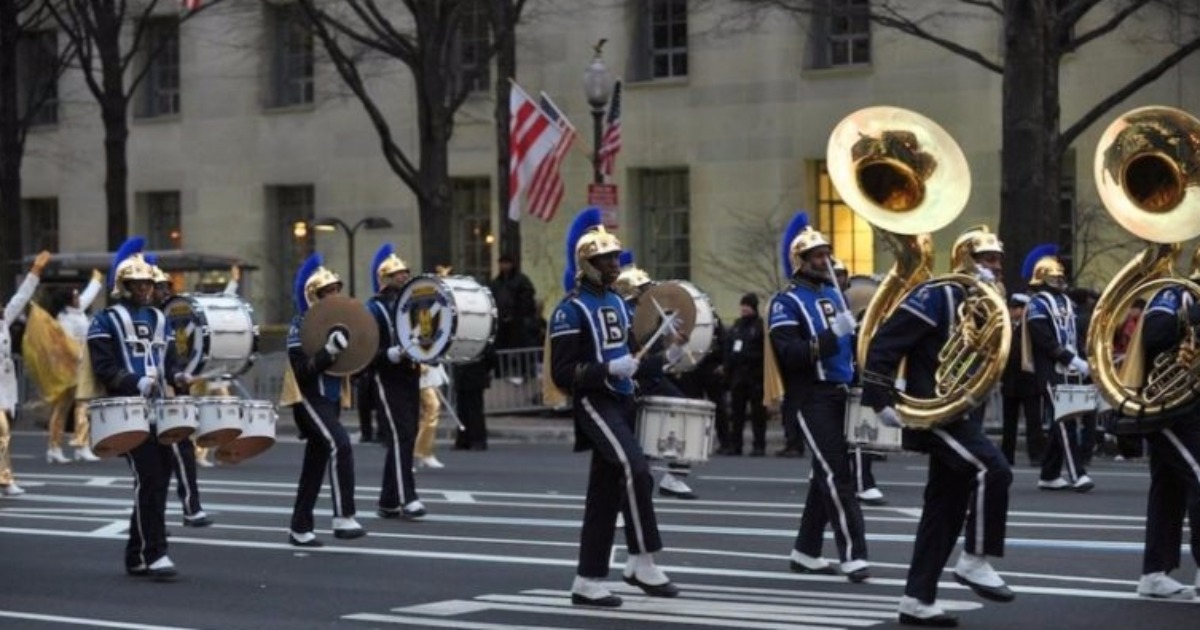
[39,225]
[472,46]
[849,234]
[290,241]
[37,77]
[161,220]
[662,40]
[472,238]
[160,87]
[664,203]
[291,56]
[841,34]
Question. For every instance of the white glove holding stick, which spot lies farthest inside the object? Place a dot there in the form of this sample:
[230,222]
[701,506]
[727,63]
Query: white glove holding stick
[146,386]
[624,367]
[843,324]
[889,418]
[336,342]
[1081,366]
[395,353]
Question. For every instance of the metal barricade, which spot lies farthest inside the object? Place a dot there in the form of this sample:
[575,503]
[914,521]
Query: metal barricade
[516,383]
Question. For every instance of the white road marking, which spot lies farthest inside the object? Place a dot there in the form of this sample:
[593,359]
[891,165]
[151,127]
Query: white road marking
[83,621]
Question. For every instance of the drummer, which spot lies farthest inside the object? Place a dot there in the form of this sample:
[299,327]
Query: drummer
[130,356]
[866,489]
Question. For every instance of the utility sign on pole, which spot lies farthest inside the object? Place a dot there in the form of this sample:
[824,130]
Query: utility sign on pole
[604,197]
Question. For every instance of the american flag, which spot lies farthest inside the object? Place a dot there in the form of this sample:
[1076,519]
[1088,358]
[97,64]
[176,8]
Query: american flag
[610,145]
[533,140]
[546,190]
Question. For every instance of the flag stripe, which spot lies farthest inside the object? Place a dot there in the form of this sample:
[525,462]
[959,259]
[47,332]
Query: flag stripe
[547,189]
[610,144]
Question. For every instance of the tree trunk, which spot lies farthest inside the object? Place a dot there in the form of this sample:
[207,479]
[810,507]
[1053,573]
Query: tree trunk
[436,124]
[114,108]
[1027,218]
[506,69]
[10,152]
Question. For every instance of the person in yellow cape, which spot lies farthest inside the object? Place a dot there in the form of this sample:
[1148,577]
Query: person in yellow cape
[8,372]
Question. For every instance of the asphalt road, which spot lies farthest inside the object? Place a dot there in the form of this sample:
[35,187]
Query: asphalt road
[497,551]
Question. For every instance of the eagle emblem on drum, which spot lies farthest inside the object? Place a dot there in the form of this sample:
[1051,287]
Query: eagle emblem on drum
[424,321]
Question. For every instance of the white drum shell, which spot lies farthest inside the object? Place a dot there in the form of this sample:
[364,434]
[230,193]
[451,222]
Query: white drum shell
[118,425]
[258,432]
[865,431]
[220,420]
[175,418]
[1074,400]
[221,331]
[700,342]
[465,321]
[676,429]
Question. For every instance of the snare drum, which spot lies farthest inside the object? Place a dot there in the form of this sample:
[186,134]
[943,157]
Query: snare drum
[220,420]
[700,342]
[258,432]
[865,431]
[215,335]
[118,425]
[175,418]
[1074,400]
[447,319]
[676,429]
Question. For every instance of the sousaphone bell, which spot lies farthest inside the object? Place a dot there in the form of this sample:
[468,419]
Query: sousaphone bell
[340,312]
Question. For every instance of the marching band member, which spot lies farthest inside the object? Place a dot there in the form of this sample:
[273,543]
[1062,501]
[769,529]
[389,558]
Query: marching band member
[327,445]
[812,341]
[590,358]
[395,381]
[968,476]
[8,371]
[1049,350]
[73,319]
[865,487]
[130,356]
[1173,449]
[216,386]
[183,452]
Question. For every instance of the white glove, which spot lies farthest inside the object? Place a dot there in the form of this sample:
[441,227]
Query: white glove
[889,418]
[336,342]
[395,353]
[1081,366]
[843,324]
[151,372]
[625,367]
[984,274]
[146,386]
[674,354]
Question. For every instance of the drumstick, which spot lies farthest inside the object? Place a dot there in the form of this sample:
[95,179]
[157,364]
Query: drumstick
[450,408]
[662,329]
[663,314]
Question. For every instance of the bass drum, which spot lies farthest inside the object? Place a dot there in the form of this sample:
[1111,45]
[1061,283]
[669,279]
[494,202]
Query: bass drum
[215,335]
[700,341]
[447,319]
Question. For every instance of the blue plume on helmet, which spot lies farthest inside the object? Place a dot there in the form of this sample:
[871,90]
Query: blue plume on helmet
[151,259]
[310,265]
[587,220]
[794,228]
[625,259]
[131,246]
[1034,255]
[381,255]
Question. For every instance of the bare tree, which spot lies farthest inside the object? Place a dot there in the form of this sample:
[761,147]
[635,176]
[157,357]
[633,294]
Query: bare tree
[113,66]
[425,38]
[1100,244]
[1038,34]
[749,256]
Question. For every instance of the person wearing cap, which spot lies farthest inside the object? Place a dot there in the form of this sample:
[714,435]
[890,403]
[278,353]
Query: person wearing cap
[1173,446]
[811,333]
[969,478]
[1050,350]
[516,311]
[128,344]
[8,372]
[590,358]
[74,320]
[1018,391]
[744,367]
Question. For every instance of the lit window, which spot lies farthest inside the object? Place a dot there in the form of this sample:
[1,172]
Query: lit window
[471,240]
[849,234]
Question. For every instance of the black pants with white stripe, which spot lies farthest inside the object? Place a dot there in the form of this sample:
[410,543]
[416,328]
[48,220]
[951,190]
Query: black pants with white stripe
[399,410]
[860,464]
[968,483]
[821,417]
[327,446]
[619,481]
[150,463]
[1063,450]
[1174,491]
[183,467]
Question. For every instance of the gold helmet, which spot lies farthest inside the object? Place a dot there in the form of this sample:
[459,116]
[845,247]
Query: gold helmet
[632,282]
[587,239]
[799,238]
[975,240]
[385,264]
[311,278]
[160,276]
[129,265]
[1042,267]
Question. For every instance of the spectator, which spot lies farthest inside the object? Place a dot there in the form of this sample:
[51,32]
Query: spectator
[469,381]
[744,367]
[516,309]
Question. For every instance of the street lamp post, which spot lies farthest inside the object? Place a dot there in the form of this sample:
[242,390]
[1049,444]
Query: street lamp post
[597,87]
[329,224]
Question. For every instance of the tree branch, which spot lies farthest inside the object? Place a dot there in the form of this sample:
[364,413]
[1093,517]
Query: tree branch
[1108,26]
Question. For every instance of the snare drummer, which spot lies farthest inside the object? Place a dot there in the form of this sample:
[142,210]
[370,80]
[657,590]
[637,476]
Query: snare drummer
[395,381]
[590,358]
[812,340]
[968,476]
[1049,349]
[130,356]
[8,379]
[865,488]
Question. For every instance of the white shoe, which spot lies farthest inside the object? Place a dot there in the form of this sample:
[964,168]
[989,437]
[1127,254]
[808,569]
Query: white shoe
[670,485]
[204,462]
[592,592]
[430,462]
[1159,585]
[11,490]
[85,454]
[804,563]
[1053,484]
[870,494]
[914,612]
[641,566]
[978,570]
[1083,484]
[55,456]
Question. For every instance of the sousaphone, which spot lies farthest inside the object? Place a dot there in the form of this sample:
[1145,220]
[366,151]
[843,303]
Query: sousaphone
[340,312]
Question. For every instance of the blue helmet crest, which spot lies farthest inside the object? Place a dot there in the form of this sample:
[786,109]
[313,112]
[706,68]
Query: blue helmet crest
[1034,255]
[310,265]
[381,255]
[625,258]
[132,245]
[587,220]
[794,228]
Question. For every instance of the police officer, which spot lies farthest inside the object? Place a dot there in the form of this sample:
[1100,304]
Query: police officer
[130,356]
[591,359]
[968,476]
[327,445]
[1049,335]
[744,367]
[395,387]
[811,334]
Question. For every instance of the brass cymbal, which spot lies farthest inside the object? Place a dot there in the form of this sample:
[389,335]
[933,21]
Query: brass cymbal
[352,317]
[671,298]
